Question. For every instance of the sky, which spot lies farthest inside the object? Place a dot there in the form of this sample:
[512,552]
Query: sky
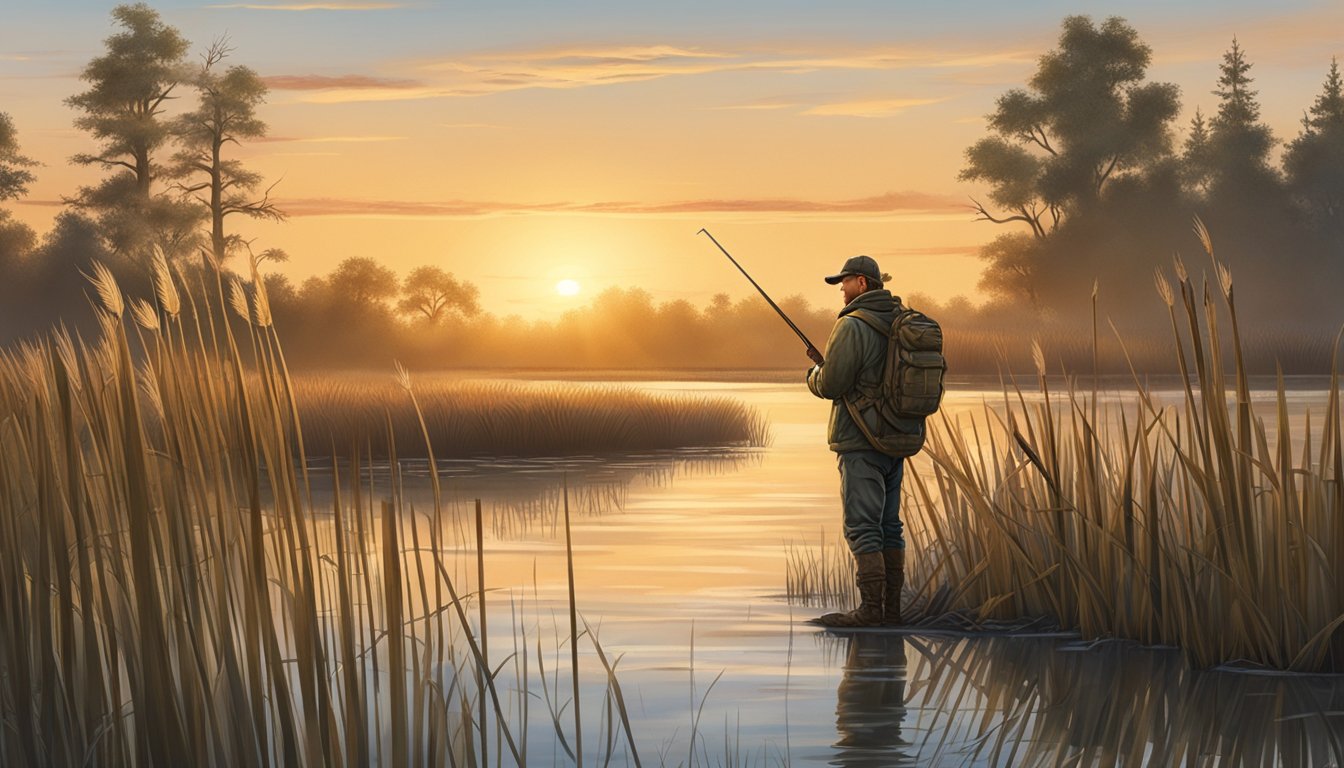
[521,144]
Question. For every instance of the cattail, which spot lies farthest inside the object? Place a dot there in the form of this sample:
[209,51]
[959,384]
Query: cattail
[238,300]
[106,285]
[1225,280]
[163,284]
[144,314]
[150,391]
[65,348]
[403,376]
[1202,233]
[261,304]
[1163,287]
[1038,355]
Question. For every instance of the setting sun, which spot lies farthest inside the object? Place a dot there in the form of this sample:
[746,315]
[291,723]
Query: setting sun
[567,287]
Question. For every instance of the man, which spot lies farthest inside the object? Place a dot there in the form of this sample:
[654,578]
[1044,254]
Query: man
[870,481]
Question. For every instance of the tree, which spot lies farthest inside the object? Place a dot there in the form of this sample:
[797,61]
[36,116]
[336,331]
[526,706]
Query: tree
[433,293]
[1239,144]
[128,88]
[14,174]
[1085,117]
[1197,156]
[225,115]
[361,283]
[1314,161]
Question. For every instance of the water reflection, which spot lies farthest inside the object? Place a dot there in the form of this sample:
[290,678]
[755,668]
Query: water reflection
[870,706]
[525,497]
[1021,701]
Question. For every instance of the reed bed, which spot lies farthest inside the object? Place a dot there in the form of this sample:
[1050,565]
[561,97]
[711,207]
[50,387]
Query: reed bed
[516,418]
[1208,525]
[172,595]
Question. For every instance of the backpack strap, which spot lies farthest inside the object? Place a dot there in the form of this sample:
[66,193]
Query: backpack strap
[871,322]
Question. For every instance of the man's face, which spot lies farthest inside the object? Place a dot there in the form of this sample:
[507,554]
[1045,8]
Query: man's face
[853,285]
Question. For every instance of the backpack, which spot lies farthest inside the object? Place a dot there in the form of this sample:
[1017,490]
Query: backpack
[912,383]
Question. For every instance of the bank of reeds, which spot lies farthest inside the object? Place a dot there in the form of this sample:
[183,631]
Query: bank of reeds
[172,597]
[1207,525]
[516,418]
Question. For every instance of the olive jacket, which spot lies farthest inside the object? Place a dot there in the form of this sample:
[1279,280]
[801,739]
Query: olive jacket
[854,358]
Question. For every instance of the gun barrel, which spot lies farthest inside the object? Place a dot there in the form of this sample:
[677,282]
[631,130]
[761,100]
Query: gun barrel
[771,301]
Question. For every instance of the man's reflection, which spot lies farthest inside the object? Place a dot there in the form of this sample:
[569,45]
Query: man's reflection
[870,702]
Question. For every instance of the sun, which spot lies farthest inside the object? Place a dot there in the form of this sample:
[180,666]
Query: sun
[567,287]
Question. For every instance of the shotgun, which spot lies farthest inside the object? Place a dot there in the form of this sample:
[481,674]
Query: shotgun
[811,348]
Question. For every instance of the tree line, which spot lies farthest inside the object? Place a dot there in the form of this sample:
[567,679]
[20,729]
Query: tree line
[1086,175]
[1082,166]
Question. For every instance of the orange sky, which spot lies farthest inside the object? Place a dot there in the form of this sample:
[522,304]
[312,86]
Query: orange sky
[520,146]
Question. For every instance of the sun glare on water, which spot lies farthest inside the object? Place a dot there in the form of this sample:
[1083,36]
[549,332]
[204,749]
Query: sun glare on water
[567,287]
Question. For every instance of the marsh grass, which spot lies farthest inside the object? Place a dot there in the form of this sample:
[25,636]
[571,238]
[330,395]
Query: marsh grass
[172,594]
[466,418]
[1208,525]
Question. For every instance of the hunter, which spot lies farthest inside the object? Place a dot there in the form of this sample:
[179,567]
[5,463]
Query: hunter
[870,481]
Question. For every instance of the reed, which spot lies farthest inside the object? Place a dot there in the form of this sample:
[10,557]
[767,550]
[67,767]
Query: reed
[1211,525]
[467,418]
[174,597]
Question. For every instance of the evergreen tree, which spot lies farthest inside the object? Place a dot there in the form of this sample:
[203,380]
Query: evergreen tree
[129,86]
[1239,144]
[1314,161]
[1197,156]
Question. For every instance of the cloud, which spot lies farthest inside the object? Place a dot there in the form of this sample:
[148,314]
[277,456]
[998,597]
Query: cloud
[577,67]
[870,107]
[327,82]
[891,203]
[328,139]
[327,6]
[937,250]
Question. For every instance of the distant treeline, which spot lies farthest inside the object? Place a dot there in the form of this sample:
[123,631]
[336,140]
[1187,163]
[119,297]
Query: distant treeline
[1082,166]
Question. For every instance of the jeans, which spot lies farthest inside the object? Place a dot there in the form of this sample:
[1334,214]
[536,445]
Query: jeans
[870,490]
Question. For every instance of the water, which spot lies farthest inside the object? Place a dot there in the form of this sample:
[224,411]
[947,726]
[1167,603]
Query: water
[680,570]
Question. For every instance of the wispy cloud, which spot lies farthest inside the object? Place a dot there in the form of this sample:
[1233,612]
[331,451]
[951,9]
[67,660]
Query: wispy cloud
[869,107]
[328,6]
[937,250]
[488,72]
[891,203]
[768,104]
[329,139]
[326,82]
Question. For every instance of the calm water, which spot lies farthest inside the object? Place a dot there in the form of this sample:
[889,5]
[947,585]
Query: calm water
[680,570]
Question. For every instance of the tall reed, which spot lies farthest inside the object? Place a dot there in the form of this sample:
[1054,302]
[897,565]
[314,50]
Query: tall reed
[1202,525]
[172,594]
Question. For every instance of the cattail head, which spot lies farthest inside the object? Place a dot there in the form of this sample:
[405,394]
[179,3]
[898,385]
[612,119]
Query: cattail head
[1225,280]
[144,314]
[238,300]
[164,285]
[1202,232]
[150,391]
[403,376]
[261,304]
[1163,287]
[1038,355]
[106,286]
[65,348]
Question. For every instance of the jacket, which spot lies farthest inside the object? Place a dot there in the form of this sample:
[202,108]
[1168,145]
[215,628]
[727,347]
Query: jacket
[854,358]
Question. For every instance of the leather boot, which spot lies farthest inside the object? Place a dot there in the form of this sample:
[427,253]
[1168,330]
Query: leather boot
[894,561]
[871,579]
